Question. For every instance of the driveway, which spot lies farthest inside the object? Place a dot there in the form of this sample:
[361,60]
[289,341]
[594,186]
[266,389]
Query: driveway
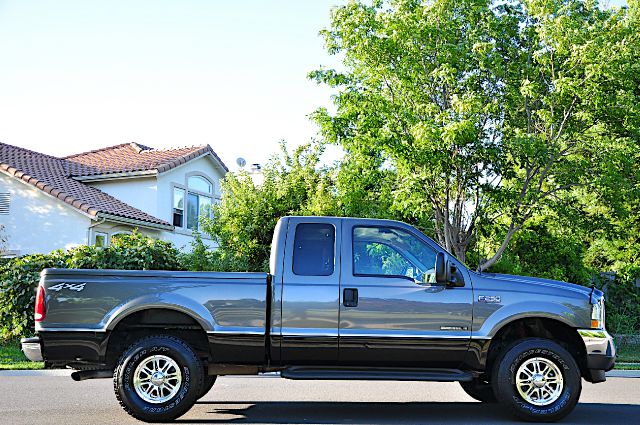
[50,398]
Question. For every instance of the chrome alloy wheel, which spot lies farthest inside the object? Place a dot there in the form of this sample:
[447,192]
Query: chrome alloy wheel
[157,379]
[539,381]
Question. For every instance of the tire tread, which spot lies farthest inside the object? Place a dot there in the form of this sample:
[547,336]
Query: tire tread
[129,351]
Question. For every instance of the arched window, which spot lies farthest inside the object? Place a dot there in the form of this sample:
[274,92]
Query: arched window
[193,202]
[200,184]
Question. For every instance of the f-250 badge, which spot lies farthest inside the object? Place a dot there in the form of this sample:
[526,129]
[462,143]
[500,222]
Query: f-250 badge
[488,298]
[70,286]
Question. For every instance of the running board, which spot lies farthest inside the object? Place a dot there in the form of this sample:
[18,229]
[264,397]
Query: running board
[374,374]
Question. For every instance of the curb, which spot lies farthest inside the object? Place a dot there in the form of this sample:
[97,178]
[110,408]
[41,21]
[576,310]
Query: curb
[619,373]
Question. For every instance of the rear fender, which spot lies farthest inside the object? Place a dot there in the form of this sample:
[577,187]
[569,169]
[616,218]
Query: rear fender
[169,301]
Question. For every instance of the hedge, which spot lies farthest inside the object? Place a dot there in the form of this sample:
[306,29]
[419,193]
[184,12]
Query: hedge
[19,276]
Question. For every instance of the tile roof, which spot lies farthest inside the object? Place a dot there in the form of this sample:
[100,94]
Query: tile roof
[132,157]
[55,176]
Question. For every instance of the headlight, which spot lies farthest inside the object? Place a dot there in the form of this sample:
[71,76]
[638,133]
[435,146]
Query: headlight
[597,314]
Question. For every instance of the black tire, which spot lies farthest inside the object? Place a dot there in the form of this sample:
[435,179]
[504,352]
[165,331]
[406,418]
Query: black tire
[504,380]
[209,380]
[480,390]
[190,387]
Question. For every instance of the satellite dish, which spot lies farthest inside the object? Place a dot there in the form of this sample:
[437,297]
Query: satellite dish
[241,162]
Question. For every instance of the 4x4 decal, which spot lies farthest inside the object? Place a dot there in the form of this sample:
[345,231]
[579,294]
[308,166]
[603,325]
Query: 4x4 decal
[70,286]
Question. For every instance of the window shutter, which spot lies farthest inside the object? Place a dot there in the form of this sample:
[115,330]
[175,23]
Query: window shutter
[5,202]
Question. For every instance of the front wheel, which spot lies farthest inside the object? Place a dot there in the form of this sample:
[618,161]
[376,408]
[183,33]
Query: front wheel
[537,380]
[158,378]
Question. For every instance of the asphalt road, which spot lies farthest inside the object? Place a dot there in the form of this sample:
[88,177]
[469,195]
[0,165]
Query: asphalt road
[271,400]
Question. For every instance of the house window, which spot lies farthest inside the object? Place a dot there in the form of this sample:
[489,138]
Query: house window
[200,184]
[199,200]
[101,239]
[178,207]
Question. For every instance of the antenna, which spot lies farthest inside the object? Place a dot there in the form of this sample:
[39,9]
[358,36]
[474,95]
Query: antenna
[241,162]
[479,253]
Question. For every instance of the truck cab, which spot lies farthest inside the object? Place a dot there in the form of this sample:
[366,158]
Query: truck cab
[365,293]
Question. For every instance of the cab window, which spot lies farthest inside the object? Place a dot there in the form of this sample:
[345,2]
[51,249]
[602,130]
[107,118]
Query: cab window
[314,248]
[392,252]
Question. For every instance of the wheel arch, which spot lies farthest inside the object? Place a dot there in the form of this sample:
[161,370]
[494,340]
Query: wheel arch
[195,310]
[148,320]
[551,328]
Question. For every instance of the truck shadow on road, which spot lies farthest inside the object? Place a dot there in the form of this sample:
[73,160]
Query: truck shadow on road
[385,413]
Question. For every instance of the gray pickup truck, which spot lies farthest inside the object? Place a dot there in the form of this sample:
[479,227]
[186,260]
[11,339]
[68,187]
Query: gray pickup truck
[346,298]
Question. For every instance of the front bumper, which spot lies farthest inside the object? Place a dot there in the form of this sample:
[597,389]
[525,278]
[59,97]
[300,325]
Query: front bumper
[601,353]
[32,348]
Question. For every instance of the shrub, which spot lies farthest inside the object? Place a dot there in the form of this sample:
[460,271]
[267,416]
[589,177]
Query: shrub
[536,251]
[623,305]
[200,258]
[19,276]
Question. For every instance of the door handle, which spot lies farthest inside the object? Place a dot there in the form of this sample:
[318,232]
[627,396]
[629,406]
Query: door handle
[350,297]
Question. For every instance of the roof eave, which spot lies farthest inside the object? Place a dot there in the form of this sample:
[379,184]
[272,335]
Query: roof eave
[135,222]
[116,176]
[182,161]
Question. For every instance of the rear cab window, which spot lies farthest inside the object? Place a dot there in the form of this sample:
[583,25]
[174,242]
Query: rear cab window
[314,249]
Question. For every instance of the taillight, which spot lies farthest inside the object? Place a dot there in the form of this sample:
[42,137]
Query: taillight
[40,307]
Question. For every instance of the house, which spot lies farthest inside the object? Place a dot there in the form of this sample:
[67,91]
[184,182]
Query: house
[49,203]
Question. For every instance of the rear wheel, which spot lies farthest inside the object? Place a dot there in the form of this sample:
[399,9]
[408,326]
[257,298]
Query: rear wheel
[537,380]
[158,378]
[480,390]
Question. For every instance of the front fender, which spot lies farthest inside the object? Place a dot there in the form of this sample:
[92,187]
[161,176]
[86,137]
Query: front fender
[169,301]
[548,310]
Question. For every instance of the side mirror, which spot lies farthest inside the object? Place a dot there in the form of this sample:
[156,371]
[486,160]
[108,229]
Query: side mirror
[447,272]
[443,271]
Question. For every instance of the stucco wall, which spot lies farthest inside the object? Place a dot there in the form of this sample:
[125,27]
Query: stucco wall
[141,193]
[39,223]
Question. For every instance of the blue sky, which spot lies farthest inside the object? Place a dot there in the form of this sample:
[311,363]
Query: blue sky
[77,75]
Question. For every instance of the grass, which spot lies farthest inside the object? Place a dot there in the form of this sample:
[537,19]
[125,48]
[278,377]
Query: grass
[627,366]
[629,353]
[12,358]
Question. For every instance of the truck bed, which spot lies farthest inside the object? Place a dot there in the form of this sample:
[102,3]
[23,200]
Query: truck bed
[94,300]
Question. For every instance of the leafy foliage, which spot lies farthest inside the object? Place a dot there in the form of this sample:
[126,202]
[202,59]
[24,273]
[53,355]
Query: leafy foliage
[19,277]
[485,110]
[243,222]
[200,257]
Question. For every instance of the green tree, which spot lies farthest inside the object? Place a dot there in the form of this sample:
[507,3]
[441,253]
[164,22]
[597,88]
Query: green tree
[485,112]
[243,222]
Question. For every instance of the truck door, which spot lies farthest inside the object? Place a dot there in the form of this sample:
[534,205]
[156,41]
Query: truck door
[311,292]
[392,313]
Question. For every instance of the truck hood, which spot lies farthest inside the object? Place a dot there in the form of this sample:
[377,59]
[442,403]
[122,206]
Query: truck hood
[535,283]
